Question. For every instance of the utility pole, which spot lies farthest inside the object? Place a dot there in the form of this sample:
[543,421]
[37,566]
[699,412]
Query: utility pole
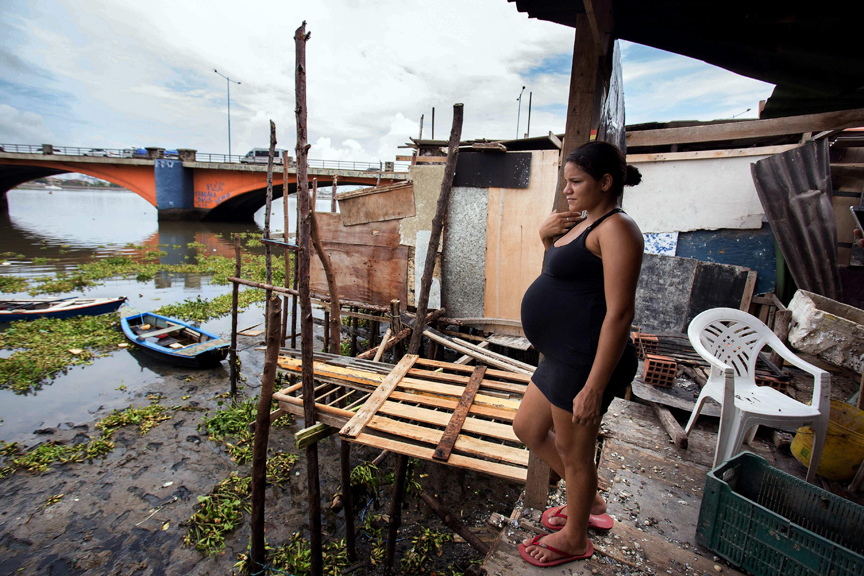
[519,113]
[228,82]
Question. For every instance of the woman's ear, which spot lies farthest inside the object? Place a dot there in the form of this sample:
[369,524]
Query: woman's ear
[606,182]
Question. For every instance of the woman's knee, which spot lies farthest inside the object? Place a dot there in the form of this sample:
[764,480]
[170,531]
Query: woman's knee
[572,455]
[529,433]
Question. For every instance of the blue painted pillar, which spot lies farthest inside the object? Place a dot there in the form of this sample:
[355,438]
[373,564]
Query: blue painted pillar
[175,194]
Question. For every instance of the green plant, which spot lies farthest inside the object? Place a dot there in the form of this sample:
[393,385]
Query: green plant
[423,546]
[146,417]
[11,284]
[218,513]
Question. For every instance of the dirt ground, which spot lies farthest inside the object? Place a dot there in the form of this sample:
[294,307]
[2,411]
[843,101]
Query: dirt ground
[125,514]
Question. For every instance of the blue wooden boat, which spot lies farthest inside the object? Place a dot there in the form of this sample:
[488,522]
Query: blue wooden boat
[33,308]
[173,340]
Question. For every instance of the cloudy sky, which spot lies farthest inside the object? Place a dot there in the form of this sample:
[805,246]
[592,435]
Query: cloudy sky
[120,73]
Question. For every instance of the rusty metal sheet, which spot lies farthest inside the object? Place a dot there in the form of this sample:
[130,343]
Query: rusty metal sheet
[794,188]
[377,204]
[370,234]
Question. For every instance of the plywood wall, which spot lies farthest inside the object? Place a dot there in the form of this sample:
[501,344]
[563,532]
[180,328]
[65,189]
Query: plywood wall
[514,252]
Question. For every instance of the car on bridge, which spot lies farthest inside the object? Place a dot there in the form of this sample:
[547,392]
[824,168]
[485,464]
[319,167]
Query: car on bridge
[100,152]
[261,156]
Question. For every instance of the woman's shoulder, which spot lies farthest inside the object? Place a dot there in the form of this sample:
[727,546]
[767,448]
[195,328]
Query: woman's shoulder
[620,226]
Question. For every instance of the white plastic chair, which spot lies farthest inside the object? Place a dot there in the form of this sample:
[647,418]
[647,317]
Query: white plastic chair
[730,341]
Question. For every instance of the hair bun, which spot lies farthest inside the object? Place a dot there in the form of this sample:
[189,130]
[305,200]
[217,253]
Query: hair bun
[633,176]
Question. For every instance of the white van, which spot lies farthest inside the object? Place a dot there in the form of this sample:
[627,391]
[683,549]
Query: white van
[260,156]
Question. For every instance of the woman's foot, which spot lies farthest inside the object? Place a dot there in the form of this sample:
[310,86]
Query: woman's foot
[558,518]
[554,549]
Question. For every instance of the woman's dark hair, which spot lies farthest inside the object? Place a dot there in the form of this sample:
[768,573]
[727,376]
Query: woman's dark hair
[600,158]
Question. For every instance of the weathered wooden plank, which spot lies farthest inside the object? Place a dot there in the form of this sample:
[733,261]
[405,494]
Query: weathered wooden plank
[431,159]
[454,426]
[505,471]
[708,154]
[463,444]
[490,372]
[747,129]
[517,342]
[376,205]
[457,379]
[371,234]
[436,402]
[475,351]
[356,424]
[471,424]
[371,274]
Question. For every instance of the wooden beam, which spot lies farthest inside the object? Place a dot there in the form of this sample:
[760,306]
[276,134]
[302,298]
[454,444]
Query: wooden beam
[676,433]
[581,101]
[602,22]
[748,129]
[710,154]
[356,424]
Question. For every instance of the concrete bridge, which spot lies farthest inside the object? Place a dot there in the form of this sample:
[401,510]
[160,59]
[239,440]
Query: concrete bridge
[188,186]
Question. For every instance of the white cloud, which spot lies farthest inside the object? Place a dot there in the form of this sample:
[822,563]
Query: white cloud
[17,127]
[134,73]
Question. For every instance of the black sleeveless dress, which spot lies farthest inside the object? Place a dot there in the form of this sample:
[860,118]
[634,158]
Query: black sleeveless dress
[562,314]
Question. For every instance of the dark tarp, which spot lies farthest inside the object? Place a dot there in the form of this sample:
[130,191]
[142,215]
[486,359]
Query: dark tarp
[803,48]
[611,127]
[794,188]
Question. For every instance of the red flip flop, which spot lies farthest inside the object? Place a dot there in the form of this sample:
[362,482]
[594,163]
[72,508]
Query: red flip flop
[598,522]
[523,551]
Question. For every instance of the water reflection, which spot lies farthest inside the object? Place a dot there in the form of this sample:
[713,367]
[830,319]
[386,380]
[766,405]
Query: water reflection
[48,233]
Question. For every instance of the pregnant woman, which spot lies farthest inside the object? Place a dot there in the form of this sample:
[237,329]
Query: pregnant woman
[577,314]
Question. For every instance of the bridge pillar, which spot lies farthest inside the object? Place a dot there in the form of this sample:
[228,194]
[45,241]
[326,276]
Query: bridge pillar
[175,194]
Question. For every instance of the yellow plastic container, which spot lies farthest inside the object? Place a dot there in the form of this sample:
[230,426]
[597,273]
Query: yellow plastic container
[844,446]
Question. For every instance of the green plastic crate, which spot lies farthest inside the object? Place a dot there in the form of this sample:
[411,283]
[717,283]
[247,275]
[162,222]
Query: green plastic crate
[773,524]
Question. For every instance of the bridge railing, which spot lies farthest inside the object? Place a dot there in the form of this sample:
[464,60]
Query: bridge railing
[141,153]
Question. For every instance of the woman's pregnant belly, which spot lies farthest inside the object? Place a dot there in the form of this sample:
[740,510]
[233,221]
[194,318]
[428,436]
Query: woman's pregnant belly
[556,318]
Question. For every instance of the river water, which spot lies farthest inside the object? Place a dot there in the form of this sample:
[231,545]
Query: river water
[73,226]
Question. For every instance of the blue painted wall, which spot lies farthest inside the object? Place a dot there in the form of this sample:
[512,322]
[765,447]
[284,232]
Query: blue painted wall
[174,185]
[751,248]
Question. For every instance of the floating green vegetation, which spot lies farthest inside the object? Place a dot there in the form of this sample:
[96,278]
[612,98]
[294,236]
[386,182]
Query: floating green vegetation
[11,284]
[201,310]
[232,423]
[218,513]
[43,348]
[423,546]
[146,417]
[295,557]
[144,266]
[40,458]
[39,260]
[221,511]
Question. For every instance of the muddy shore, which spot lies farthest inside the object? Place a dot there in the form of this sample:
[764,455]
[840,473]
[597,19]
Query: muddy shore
[125,514]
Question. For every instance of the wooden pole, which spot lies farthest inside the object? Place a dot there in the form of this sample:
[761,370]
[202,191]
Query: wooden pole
[333,196]
[285,215]
[354,335]
[672,427]
[348,507]
[305,252]
[327,331]
[581,101]
[314,195]
[437,227]
[235,294]
[268,251]
[257,552]
[782,318]
[334,316]
[455,524]
[396,509]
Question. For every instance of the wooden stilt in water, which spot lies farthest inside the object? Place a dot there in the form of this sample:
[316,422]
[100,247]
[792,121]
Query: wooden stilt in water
[333,196]
[305,252]
[285,307]
[326,331]
[257,552]
[345,460]
[235,293]
[396,509]
[268,251]
[354,335]
[437,228]
[332,321]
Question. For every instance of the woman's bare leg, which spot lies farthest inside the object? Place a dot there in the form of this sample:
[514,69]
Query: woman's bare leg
[533,426]
[575,445]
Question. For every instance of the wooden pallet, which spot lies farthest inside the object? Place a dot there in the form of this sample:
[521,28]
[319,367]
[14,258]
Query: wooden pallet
[410,410]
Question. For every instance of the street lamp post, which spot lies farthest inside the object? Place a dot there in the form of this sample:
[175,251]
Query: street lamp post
[518,114]
[228,82]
